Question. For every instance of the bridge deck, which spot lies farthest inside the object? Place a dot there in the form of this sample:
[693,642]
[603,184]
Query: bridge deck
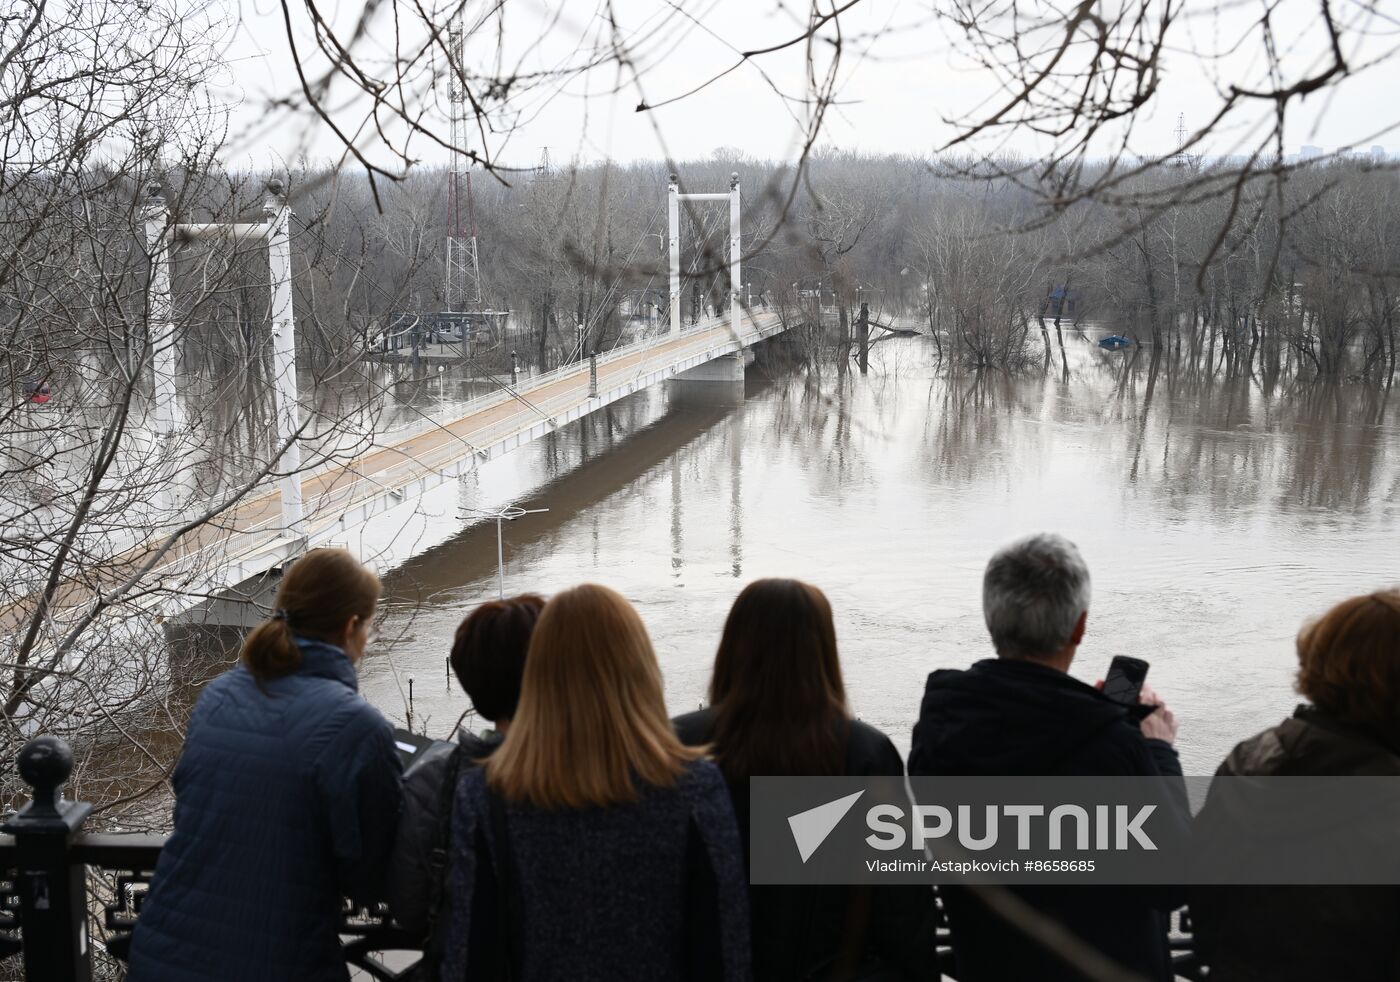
[251,537]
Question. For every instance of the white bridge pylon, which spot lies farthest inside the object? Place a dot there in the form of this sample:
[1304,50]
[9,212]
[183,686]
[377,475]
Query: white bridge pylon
[275,230]
[674,199]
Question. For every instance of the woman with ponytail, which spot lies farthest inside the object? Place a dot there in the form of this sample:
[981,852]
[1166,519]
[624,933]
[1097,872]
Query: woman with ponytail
[286,797]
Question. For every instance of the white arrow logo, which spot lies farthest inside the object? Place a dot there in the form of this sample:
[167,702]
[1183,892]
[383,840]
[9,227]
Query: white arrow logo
[810,828]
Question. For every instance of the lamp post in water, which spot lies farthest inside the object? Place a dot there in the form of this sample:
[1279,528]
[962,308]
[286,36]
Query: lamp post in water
[507,514]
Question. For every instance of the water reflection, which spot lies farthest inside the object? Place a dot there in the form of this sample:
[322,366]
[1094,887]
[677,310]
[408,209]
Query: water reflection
[1215,515]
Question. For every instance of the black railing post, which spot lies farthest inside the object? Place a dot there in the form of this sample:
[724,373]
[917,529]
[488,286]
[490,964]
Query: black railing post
[52,891]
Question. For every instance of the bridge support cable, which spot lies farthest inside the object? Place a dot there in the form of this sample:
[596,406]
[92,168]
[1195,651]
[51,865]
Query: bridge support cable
[506,387]
[586,328]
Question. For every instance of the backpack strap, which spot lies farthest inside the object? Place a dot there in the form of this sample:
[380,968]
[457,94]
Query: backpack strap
[437,859]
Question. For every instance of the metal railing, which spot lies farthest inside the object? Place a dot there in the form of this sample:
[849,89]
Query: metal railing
[47,914]
[47,864]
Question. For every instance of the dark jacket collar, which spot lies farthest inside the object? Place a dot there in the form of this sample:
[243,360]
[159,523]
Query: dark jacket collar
[326,661]
[1027,670]
[1388,742]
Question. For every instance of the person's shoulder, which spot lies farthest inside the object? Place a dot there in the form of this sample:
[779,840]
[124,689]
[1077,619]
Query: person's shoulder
[1309,743]
[701,787]
[943,677]
[952,685]
[232,684]
[695,728]
[348,728]
[700,779]
[471,784]
[363,718]
[872,752]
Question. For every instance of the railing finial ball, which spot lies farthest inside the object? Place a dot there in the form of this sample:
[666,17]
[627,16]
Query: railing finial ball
[45,763]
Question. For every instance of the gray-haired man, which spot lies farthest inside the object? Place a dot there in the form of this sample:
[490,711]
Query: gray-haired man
[1022,714]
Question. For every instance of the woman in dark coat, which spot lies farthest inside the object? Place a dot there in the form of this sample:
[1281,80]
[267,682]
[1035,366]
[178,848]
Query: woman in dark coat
[1349,669]
[592,845]
[286,797]
[488,658]
[778,707]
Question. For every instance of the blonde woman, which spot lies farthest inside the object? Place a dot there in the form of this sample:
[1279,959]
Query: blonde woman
[592,844]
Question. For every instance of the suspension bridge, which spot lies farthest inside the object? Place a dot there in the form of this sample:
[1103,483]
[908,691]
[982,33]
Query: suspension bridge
[307,507]
[259,535]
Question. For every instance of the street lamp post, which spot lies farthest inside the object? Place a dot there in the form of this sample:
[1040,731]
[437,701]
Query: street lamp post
[507,514]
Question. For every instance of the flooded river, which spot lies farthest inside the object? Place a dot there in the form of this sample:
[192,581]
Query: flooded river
[1214,515]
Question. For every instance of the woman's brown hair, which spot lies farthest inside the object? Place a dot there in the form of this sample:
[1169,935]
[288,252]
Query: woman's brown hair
[780,704]
[591,722]
[318,595]
[1349,661]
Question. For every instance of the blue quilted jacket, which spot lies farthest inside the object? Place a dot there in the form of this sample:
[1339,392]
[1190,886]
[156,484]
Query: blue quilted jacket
[286,799]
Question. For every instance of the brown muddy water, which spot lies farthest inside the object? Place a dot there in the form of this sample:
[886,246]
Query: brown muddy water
[1215,517]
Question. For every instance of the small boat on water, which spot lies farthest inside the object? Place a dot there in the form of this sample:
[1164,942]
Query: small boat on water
[1114,341]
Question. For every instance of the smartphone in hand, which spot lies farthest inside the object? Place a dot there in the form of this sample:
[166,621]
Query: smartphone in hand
[1124,679]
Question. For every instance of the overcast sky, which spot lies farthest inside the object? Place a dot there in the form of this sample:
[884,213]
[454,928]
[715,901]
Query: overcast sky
[901,76]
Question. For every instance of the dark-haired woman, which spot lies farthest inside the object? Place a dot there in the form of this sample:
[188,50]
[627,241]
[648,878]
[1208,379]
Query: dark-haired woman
[1349,671]
[778,707]
[286,797]
[488,658]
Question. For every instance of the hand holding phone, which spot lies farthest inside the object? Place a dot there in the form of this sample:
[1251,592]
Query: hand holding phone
[1124,681]
[1126,684]
[1160,724]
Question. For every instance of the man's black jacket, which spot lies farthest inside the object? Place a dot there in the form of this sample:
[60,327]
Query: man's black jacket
[1006,717]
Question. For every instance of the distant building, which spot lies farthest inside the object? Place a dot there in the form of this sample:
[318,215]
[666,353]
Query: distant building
[1309,153]
[1378,153]
[409,331]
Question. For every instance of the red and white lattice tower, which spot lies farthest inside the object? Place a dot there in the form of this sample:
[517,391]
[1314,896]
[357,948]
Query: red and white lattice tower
[463,287]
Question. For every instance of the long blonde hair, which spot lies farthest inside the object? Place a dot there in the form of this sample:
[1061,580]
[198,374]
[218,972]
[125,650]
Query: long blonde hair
[591,722]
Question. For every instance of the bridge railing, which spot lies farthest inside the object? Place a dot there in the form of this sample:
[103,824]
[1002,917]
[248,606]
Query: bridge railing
[60,886]
[452,447]
[349,485]
[521,390]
